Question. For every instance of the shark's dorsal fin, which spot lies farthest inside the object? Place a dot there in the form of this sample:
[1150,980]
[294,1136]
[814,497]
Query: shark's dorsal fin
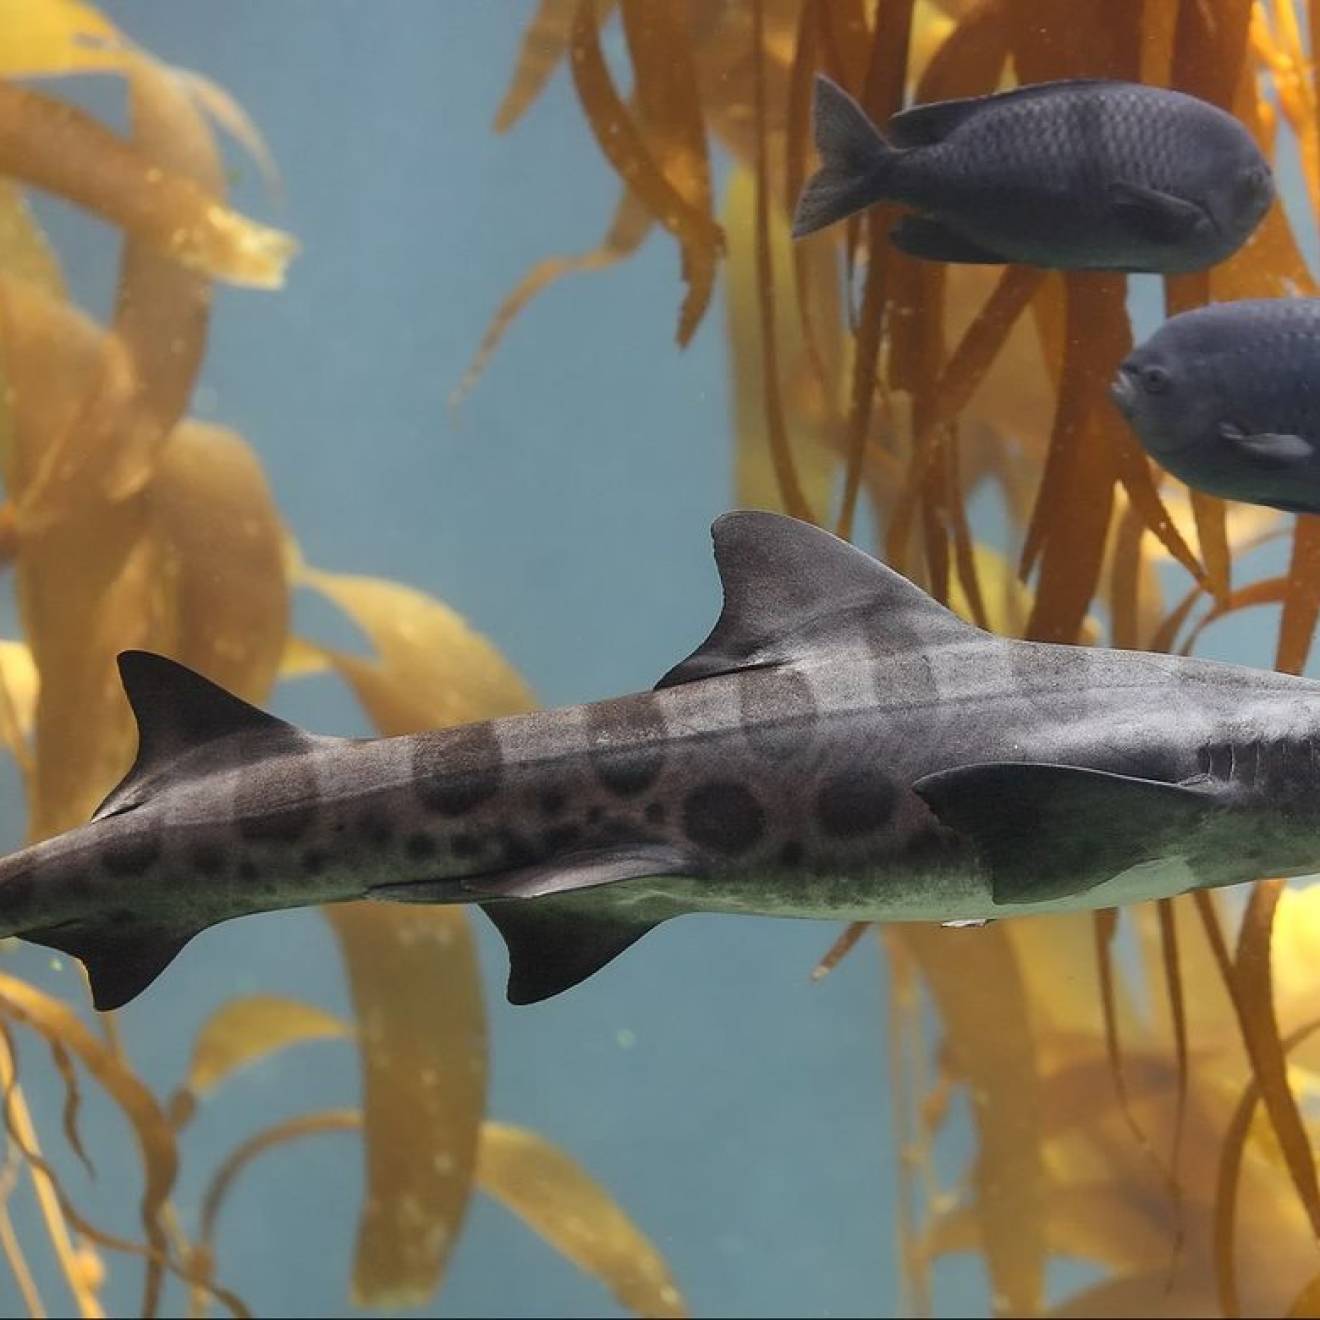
[177,710]
[791,588]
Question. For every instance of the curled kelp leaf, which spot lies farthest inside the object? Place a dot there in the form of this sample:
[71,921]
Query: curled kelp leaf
[56,147]
[57,37]
[430,669]
[568,1208]
[242,1032]
[23,1003]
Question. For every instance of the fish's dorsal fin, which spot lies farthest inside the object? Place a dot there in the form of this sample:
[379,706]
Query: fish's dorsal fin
[924,125]
[177,710]
[792,589]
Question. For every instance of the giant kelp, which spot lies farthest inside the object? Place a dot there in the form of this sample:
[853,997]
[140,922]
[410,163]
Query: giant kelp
[1153,1126]
[128,524]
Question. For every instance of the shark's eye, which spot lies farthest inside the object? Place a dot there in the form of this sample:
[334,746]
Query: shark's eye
[1155,380]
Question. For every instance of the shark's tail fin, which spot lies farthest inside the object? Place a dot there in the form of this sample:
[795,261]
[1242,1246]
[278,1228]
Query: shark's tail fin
[856,162]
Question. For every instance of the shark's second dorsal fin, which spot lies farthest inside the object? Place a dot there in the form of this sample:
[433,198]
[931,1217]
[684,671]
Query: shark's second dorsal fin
[791,589]
[176,710]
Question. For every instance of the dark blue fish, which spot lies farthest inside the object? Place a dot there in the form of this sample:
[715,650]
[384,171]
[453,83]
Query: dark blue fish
[1077,175]
[1227,397]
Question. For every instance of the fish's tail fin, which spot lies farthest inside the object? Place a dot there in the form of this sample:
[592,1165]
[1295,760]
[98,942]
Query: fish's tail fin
[856,161]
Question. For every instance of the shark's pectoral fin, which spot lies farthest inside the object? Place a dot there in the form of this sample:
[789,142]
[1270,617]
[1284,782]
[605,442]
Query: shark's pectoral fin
[588,869]
[119,966]
[1045,832]
[555,943]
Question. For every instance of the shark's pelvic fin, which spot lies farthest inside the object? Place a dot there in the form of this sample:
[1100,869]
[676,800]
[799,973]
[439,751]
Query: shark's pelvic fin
[554,943]
[1045,832]
[119,967]
[791,589]
[176,710]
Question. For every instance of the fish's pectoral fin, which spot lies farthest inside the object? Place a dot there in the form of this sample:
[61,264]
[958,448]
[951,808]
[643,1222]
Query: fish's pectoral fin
[1267,449]
[119,965]
[1156,216]
[1046,832]
[555,943]
[920,236]
[792,590]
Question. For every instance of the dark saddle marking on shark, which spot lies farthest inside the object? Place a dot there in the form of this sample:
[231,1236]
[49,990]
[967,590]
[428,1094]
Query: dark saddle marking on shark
[1045,832]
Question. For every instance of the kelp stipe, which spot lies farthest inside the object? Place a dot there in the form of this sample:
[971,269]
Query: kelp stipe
[1114,1123]
[127,525]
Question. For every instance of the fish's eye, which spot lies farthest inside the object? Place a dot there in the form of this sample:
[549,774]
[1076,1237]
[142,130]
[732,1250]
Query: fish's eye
[1155,380]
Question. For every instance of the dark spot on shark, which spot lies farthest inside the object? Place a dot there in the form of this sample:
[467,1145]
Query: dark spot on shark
[133,855]
[595,815]
[287,825]
[79,884]
[792,853]
[516,850]
[560,838]
[247,869]
[723,816]
[778,711]
[856,803]
[465,845]
[375,827]
[626,743]
[208,859]
[314,861]
[553,801]
[456,770]
[420,845]
[655,813]
[122,917]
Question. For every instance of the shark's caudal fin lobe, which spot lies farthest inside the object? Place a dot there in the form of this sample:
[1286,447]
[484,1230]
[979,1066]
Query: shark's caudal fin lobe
[791,588]
[855,161]
[554,944]
[1046,832]
[177,710]
[119,966]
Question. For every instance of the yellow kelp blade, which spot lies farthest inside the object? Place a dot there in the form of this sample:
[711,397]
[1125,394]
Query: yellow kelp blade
[424,1069]
[555,1196]
[44,37]
[162,308]
[23,1003]
[61,149]
[413,976]
[242,1032]
[224,594]
[25,253]
[431,667]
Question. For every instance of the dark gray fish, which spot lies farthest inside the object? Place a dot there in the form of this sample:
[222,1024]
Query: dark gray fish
[1227,398]
[840,746]
[1079,175]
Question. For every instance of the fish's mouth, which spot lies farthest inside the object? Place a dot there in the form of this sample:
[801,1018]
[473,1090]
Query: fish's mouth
[1123,391]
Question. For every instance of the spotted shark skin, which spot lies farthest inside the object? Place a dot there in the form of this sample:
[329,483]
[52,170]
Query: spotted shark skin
[840,747]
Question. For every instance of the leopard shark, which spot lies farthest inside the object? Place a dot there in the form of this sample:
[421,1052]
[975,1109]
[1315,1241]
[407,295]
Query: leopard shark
[841,747]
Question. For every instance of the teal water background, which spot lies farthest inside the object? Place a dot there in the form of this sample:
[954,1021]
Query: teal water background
[737,1112]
